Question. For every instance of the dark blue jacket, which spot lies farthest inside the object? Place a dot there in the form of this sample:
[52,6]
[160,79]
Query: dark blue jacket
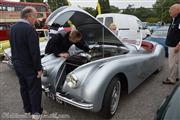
[59,44]
[24,43]
[173,36]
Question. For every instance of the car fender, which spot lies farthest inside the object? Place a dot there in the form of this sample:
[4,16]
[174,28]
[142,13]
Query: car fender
[94,85]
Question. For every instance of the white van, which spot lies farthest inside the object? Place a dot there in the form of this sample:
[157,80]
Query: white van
[128,26]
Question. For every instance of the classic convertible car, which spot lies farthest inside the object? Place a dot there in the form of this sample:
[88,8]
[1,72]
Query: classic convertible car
[95,80]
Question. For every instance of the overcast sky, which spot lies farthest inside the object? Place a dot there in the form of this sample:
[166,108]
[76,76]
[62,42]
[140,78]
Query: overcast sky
[118,3]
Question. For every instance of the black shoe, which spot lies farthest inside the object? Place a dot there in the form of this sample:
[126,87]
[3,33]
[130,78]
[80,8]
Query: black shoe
[167,81]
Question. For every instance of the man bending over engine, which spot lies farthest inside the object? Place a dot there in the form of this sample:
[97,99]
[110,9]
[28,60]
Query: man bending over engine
[60,43]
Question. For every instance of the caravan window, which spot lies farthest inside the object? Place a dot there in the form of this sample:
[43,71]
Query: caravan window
[100,19]
[108,21]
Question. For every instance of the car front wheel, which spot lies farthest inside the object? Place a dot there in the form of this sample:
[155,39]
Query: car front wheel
[111,98]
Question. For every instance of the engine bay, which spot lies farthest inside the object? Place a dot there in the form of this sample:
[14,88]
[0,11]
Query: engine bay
[94,54]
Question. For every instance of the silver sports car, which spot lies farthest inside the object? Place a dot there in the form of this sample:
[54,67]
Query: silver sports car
[95,80]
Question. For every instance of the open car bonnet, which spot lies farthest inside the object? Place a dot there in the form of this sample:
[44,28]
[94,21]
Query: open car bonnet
[92,30]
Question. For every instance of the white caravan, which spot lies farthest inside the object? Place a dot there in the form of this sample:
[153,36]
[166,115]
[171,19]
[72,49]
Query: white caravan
[128,26]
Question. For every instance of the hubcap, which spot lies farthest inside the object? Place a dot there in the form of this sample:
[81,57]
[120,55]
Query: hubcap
[115,97]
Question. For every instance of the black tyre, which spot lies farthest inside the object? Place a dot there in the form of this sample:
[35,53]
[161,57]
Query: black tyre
[111,98]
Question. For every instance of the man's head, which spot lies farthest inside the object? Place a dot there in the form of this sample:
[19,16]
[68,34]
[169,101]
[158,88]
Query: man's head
[174,10]
[30,14]
[75,36]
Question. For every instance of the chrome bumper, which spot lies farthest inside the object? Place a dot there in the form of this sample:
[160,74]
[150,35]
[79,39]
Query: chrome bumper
[7,60]
[61,98]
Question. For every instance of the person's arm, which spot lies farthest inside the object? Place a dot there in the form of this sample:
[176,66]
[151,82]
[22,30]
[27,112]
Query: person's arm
[82,45]
[177,48]
[57,42]
[33,44]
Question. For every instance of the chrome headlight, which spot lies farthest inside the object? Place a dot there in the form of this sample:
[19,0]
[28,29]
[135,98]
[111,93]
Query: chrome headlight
[72,81]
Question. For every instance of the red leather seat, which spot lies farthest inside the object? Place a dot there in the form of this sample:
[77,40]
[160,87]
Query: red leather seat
[147,45]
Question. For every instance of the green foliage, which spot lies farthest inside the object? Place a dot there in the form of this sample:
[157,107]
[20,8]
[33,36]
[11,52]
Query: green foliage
[54,4]
[160,11]
[91,11]
[114,9]
[161,7]
[152,20]
[142,13]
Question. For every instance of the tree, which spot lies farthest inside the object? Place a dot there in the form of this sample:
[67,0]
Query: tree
[161,7]
[114,9]
[129,9]
[152,20]
[54,4]
[144,14]
[91,11]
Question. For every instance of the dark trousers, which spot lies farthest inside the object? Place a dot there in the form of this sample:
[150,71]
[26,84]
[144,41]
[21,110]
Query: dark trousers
[30,89]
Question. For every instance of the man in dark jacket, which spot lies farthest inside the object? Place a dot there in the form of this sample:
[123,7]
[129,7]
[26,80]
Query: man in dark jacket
[173,43]
[26,59]
[60,43]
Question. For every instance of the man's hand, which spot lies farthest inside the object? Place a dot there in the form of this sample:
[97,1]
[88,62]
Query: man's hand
[177,48]
[64,55]
[40,72]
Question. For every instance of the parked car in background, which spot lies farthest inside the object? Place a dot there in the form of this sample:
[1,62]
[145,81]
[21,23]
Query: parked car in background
[3,45]
[159,36]
[170,107]
[153,26]
[94,80]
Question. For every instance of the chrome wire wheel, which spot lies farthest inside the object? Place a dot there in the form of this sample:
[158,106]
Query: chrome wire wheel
[115,97]
[111,98]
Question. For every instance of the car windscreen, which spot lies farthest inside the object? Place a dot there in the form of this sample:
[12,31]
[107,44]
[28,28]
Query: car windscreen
[172,111]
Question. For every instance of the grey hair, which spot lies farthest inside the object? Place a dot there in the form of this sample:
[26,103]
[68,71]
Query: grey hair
[27,11]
